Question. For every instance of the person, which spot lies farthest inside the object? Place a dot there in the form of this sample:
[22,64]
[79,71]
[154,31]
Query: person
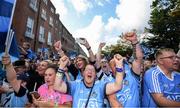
[18,83]
[105,74]
[26,51]
[89,92]
[48,96]
[20,66]
[148,63]
[37,77]
[80,62]
[129,95]
[161,83]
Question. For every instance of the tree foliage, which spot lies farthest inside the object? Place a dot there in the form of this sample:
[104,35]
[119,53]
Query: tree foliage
[164,25]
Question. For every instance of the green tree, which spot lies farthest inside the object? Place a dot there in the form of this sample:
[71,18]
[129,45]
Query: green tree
[164,24]
[120,47]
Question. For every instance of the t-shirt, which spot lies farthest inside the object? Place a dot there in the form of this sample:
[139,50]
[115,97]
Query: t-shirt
[53,95]
[129,95]
[13,99]
[80,93]
[155,81]
[79,76]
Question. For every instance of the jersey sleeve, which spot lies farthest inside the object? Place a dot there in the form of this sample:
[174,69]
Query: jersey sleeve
[153,81]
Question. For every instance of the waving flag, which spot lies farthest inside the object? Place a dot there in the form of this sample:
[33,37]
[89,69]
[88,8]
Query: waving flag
[6,15]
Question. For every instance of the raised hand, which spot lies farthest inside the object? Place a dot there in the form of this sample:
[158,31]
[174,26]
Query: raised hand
[63,62]
[58,46]
[85,43]
[131,36]
[118,59]
[101,45]
[6,60]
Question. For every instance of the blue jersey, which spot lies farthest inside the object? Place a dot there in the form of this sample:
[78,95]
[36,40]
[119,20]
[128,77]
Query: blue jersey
[155,81]
[129,94]
[79,76]
[80,93]
[102,76]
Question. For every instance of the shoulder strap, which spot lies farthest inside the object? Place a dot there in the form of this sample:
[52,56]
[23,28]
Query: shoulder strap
[101,76]
[89,96]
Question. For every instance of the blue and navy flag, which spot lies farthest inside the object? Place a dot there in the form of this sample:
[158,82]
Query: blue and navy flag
[6,7]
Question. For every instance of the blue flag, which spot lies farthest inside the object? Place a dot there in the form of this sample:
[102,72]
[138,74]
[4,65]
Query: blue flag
[6,7]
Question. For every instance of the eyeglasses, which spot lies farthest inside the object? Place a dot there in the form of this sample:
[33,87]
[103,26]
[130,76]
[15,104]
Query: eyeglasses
[171,57]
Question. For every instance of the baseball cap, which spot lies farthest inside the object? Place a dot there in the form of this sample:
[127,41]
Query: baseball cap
[23,76]
[19,63]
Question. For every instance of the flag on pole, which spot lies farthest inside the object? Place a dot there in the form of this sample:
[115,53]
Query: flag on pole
[7,8]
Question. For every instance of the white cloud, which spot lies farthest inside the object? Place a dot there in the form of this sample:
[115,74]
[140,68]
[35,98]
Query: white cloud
[60,8]
[130,14]
[92,32]
[81,6]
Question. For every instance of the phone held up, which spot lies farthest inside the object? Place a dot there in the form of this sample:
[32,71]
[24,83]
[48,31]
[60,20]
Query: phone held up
[80,40]
[36,94]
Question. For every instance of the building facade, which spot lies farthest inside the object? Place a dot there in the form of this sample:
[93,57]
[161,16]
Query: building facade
[36,22]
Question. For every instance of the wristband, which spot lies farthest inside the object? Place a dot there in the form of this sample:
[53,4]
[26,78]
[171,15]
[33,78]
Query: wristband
[88,48]
[119,70]
[135,43]
[60,70]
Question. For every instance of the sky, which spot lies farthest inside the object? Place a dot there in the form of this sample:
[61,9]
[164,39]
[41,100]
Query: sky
[102,20]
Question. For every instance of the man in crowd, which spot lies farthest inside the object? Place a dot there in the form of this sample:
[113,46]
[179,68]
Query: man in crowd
[161,83]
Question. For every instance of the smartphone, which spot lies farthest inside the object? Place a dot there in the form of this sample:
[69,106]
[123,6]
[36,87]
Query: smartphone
[36,94]
[80,40]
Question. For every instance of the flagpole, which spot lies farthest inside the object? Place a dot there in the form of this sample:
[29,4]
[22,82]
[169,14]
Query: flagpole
[7,43]
[10,23]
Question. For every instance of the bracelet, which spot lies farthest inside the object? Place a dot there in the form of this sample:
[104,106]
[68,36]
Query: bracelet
[119,70]
[135,43]
[60,70]
[88,48]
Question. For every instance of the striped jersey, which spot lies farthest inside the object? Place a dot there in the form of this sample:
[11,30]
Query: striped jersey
[155,81]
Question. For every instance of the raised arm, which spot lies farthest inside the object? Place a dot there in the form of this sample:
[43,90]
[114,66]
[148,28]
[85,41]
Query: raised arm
[98,55]
[137,52]
[59,84]
[117,85]
[11,73]
[88,47]
[58,48]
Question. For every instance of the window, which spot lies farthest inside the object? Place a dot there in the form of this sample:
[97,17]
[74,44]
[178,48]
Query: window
[29,28]
[51,21]
[41,34]
[49,41]
[33,5]
[43,14]
[52,10]
[45,1]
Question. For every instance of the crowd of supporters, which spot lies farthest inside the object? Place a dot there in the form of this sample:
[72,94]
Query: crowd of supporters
[94,81]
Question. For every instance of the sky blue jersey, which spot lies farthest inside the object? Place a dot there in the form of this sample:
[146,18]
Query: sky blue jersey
[129,94]
[80,93]
[155,81]
[79,76]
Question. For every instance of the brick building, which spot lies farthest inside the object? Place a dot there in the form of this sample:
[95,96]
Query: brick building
[37,22]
